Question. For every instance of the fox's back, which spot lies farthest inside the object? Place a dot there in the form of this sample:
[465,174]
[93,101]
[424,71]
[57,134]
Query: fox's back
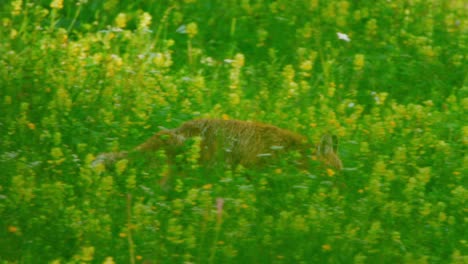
[240,141]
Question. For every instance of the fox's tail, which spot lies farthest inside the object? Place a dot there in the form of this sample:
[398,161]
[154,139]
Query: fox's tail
[166,140]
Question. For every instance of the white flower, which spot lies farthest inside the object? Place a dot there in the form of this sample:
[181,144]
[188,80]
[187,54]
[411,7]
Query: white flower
[343,36]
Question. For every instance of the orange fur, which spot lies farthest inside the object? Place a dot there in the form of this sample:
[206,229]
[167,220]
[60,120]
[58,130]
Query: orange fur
[237,142]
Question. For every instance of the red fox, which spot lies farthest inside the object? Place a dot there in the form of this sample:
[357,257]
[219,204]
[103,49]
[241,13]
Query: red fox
[235,142]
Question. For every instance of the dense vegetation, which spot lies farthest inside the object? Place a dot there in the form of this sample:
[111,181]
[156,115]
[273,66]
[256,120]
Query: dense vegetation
[82,77]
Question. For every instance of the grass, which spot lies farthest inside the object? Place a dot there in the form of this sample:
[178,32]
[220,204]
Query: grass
[78,78]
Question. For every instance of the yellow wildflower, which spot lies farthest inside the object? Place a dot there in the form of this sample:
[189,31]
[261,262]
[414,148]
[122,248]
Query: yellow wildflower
[121,165]
[31,126]
[56,4]
[371,27]
[326,247]
[121,20]
[17,6]
[191,29]
[288,72]
[56,153]
[359,62]
[239,61]
[109,260]
[13,33]
[12,229]
[88,253]
[234,98]
[306,65]
[145,21]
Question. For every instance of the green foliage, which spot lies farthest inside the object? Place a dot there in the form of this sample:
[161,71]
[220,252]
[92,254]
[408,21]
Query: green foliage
[82,77]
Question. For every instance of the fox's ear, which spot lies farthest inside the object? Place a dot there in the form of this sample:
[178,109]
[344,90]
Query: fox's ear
[335,143]
[328,144]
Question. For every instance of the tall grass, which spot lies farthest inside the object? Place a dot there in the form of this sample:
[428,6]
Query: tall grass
[82,77]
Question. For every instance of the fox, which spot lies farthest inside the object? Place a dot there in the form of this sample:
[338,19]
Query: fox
[235,142]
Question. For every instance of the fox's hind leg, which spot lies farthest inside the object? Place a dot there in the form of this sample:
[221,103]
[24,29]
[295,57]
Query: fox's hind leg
[167,140]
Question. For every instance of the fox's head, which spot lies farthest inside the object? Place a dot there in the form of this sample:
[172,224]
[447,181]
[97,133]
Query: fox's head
[327,151]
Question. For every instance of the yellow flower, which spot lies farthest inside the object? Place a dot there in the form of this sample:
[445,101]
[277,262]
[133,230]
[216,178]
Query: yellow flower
[145,21]
[121,20]
[87,253]
[170,43]
[13,33]
[121,165]
[17,6]
[109,260]
[326,247]
[162,60]
[31,126]
[371,27]
[116,60]
[56,153]
[288,72]
[234,98]
[191,30]
[330,172]
[239,61]
[131,182]
[56,4]
[359,62]
[12,229]
[207,186]
[306,65]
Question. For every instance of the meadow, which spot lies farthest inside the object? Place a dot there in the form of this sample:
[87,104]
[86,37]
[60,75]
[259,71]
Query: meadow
[78,78]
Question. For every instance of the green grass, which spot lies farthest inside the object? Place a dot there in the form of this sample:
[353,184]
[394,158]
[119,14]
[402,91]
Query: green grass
[100,76]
